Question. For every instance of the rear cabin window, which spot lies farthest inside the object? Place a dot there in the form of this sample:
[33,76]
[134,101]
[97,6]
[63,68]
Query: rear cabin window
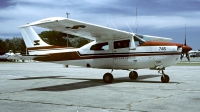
[100,47]
[121,44]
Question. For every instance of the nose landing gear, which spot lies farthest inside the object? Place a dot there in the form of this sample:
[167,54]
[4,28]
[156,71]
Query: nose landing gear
[164,78]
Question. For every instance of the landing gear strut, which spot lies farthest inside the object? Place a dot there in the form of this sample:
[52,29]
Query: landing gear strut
[164,78]
[108,78]
[133,75]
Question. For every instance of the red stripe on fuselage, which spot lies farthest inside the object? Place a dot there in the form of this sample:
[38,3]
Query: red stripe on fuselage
[185,48]
[155,43]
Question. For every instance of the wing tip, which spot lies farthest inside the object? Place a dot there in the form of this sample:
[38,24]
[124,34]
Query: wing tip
[43,21]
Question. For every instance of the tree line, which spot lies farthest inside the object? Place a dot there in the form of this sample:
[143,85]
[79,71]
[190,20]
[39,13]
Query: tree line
[16,44]
[51,37]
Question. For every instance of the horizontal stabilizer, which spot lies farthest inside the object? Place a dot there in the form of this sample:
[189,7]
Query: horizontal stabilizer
[26,57]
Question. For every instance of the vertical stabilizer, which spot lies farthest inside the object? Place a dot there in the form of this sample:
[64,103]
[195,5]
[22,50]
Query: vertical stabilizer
[32,39]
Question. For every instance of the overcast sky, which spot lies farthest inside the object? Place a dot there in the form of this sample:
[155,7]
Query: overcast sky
[165,18]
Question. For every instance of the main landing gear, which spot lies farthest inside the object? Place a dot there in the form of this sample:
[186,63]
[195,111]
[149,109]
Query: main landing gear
[108,77]
[133,75]
[164,78]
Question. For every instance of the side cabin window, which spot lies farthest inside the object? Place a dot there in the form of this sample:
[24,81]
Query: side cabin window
[100,46]
[121,44]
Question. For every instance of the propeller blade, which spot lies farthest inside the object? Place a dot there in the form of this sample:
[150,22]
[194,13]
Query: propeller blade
[187,56]
[185,35]
[185,42]
[182,56]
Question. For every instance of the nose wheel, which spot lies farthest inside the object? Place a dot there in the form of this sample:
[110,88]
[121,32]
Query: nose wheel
[164,78]
[133,75]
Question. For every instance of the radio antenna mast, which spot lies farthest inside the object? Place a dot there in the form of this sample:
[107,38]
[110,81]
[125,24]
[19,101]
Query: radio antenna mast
[136,21]
[107,20]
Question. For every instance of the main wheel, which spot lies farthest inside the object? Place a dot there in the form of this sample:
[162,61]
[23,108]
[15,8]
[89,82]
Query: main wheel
[108,78]
[165,79]
[133,75]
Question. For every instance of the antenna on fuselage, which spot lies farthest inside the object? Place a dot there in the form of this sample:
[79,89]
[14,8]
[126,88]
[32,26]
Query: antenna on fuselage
[136,21]
[107,20]
[67,14]
[113,25]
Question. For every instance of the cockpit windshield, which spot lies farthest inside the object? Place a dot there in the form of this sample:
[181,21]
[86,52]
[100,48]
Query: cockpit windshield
[139,39]
[143,37]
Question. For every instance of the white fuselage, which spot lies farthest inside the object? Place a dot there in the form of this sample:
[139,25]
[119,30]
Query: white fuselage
[121,58]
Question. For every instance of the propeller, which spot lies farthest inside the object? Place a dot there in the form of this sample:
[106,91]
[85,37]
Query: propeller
[187,56]
[185,49]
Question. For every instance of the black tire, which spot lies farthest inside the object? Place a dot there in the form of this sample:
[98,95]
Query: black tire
[165,79]
[108,78]
[133,75]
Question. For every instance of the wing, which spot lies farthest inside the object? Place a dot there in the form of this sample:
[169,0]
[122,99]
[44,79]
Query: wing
[81,29]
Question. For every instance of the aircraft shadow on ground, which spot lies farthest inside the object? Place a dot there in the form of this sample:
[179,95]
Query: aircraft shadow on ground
[32,78]
[86,82]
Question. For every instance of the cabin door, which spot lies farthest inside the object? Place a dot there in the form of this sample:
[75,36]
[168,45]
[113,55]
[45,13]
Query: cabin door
[121,53]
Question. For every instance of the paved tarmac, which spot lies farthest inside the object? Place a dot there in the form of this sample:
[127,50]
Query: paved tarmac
[191,59]
[41,87]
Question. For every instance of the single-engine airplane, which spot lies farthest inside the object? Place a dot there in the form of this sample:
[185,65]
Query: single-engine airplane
[111,49]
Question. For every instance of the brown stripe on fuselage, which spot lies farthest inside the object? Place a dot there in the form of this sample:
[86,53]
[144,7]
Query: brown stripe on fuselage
[155,43]
[48,47]
[77,56]
[59,56]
